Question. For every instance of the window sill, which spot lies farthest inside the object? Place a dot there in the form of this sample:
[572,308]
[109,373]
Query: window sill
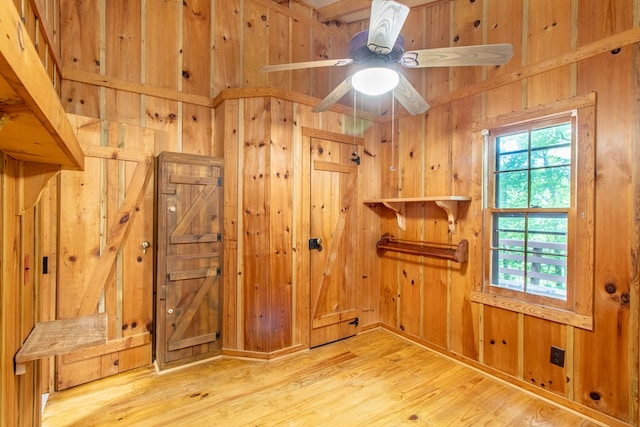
[549,313]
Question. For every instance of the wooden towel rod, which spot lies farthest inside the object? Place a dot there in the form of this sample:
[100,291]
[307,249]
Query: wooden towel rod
[457,253]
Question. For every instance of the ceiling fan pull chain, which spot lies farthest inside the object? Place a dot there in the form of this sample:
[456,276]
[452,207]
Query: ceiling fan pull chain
[355,157]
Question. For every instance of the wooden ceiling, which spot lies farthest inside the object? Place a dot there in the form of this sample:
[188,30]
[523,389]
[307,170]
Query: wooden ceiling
[352,10]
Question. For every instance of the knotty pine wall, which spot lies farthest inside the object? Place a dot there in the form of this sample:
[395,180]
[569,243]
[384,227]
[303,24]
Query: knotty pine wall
[157,65]
[428,300]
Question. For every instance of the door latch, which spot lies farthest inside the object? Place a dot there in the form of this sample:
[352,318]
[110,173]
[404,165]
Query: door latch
[315,243]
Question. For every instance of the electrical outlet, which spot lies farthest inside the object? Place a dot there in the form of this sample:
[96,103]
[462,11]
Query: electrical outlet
[557,356]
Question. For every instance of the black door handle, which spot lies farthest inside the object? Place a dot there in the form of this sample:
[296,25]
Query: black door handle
[315,243]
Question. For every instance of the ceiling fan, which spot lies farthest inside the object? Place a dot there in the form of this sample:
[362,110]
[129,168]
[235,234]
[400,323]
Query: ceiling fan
[378,50]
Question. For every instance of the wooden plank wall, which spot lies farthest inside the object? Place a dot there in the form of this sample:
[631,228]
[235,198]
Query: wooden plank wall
[26,238]
[120,72]
[424,299]
[429,301]
[17,294]
[155,66]
[266,311]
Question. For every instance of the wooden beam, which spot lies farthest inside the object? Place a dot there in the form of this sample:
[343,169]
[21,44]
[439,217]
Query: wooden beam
[139,88]
[342,8]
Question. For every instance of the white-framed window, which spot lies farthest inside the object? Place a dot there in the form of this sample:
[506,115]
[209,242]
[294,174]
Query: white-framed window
[538,212]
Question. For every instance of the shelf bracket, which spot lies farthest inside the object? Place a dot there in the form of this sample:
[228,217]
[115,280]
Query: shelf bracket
[399,211]
[451,209]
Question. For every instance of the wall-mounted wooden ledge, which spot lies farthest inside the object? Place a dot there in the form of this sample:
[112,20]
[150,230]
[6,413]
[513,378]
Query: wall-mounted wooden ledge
[61,337]
[447,203]
[33,124]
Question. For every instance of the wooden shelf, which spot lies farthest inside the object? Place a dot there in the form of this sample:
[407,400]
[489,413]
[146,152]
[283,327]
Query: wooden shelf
[60,337]
[33,124]
[448,203]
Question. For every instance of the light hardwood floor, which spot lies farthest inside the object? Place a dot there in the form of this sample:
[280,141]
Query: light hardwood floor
[373,379]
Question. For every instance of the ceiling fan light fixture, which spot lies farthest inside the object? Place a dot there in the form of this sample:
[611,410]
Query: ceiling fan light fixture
[375,81]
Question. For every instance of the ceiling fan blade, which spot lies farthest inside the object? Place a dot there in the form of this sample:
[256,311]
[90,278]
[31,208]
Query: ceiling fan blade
[409,97]
[334,96]
[385,23]
[307,64]
[487,54]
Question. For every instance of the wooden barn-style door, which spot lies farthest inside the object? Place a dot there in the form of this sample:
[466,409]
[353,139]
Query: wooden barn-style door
[189,258]
[332,243]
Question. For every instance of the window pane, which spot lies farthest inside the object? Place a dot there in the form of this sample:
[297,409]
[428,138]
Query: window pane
[547,255]
[512,190]
[509,251]
[509,229]
[509,271]
[547,276]
[551,187]
[547,233]
[558,155]
[553,135]
[512,152]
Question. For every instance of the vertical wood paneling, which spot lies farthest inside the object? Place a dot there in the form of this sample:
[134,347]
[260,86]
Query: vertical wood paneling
[256,211]
[387,149]
[320,50]
[300,51]
[28,278]
[601,382]
[9,291]
[227,43]
[122,57]
[537,369]
[281,224]
[437,27]
[414,31]
[279,48]
[227,135]
[196,75]
[46,301]
[255,42]
[368,289]
[501,340]
[79,22]
[436,176]
[339,49]
[538,31]
[634,325]
[468,23]
[410,278]
[504,25]
[549,34]
[161,54]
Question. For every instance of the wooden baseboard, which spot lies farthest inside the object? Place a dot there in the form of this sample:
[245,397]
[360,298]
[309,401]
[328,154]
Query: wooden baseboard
[262,356]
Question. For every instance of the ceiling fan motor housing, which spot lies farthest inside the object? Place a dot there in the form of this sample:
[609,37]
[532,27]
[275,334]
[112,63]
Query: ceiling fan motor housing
[360,52]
